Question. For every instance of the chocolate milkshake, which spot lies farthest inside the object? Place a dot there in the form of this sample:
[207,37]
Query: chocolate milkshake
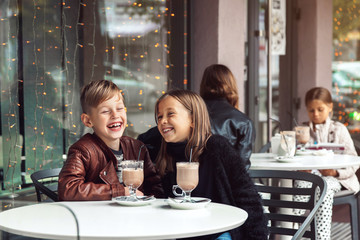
[302,134]
[187,175]
[133,177]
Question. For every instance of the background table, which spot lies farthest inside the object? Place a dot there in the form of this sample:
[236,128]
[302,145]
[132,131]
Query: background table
[267,161]
[108,220]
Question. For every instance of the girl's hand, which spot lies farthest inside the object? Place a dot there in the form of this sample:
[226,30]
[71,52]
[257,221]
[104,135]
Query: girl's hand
[139,193]
[308,171]
[329,172]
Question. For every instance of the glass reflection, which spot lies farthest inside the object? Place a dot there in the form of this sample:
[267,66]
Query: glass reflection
[346,65]
[49,49]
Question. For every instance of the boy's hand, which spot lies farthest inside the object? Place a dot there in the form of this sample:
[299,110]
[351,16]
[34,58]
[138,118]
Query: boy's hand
[138,193]
[329,172]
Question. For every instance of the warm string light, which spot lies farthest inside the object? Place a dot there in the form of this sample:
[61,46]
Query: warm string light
[10,127]
[125,57]
[139,52]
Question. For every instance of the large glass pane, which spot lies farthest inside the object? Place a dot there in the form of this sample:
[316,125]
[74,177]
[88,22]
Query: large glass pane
[346,65]
[136,46]
[263,83]
[49,49]
[10,138]
[42,95]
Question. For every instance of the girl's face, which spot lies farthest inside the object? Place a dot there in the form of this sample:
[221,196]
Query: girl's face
[318,111]
[174,120]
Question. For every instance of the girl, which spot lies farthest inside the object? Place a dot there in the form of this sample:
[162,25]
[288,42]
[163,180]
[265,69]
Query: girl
[183,122]
[319,107]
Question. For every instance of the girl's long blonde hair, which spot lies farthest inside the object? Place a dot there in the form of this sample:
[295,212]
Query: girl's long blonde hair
[199,134]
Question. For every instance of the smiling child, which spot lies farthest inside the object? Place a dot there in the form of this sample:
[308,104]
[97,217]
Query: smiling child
[184,124]
[91,170]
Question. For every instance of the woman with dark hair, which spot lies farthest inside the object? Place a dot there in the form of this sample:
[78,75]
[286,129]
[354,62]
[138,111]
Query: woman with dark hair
[219,90]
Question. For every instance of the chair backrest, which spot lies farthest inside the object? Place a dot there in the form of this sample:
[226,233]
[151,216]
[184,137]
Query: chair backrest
[46,182]
[265,148]
[280,201]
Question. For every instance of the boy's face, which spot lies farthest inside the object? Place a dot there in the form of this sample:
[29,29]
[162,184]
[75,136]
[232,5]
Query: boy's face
[108,120]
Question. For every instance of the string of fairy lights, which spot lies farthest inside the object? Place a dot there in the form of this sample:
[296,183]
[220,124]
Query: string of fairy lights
[346,82]
[65,43]
[10,123]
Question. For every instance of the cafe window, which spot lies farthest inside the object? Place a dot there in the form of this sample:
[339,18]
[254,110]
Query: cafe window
[49,49]
[346,65]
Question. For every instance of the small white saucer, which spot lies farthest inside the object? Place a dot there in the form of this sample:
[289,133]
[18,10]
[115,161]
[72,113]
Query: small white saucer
[178,204]
[286,159]
[126,201]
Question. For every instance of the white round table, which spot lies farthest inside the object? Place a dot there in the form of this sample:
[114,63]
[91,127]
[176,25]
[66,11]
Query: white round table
[108,220]
[267,161]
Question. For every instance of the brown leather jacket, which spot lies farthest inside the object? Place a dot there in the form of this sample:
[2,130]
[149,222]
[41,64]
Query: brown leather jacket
[89,172]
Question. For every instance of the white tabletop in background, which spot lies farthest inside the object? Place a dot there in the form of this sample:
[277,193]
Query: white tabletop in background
[267,161]
[108,220]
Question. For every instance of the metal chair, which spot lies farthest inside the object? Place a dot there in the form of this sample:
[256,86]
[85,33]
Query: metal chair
[46,182]
[280,209]
[348,197]
[265,148]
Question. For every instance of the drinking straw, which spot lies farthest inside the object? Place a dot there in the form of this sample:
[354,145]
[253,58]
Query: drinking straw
[286,143]
[296,123]
[140,151]
[191,153]
[277,122]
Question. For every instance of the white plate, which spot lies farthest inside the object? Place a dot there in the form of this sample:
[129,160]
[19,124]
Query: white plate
[178,204]
[286,160]
[124,200]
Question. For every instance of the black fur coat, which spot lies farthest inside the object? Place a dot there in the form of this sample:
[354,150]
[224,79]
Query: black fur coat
[233,186]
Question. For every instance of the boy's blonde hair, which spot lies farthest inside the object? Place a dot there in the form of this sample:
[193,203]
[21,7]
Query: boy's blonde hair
[199,135]
[219,82]
[97,92]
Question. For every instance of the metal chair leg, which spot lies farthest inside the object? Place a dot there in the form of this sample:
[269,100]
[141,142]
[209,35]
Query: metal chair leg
[354,219]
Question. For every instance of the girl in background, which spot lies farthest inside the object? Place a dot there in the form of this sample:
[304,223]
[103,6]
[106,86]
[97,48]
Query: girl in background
[183,122]
[319,106]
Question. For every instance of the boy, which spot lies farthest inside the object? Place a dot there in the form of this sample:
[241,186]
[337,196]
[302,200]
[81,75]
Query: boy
[90,171]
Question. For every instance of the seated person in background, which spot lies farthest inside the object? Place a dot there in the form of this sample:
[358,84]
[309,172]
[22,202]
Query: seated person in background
[319,105]
[219,90]
[91,169]
[152,139]
[183,122]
